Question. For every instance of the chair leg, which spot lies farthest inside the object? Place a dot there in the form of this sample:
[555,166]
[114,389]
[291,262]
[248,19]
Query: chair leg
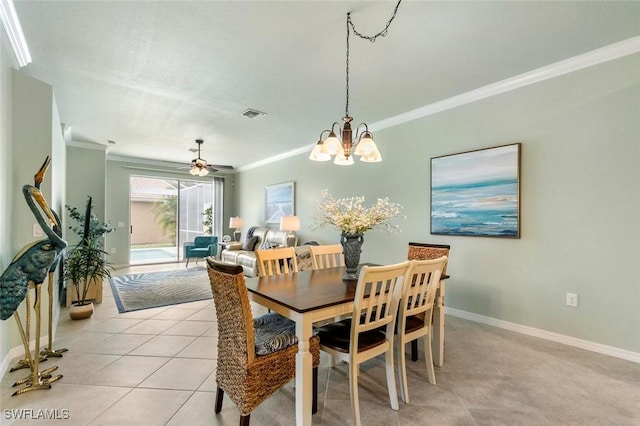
[414,350]
[355,402]
[187,265]
[391,379]
[402,370]
[244,420]
[428,359]
[219,397]
[314,402]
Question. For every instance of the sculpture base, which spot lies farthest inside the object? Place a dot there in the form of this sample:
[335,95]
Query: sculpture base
[350,276]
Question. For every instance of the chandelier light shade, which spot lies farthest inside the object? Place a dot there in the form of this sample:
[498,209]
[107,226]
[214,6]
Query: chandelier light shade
[342,147]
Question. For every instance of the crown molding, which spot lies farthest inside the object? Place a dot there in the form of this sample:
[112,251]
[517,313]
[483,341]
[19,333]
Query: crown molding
[557,69]
[604,54]
[13,29]
[87,145]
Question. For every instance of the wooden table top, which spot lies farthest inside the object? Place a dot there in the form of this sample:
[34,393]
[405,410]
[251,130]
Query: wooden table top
[306,290]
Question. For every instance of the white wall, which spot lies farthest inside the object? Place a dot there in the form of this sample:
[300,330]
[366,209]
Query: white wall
[86,174]
[580,209]
[35,133]
[7,63]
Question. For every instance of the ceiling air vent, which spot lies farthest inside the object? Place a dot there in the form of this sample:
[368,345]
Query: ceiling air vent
[253,113]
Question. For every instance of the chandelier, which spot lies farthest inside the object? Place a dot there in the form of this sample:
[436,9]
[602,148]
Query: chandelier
[342,147]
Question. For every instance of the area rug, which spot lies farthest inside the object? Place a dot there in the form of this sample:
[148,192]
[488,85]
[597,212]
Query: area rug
[153,289]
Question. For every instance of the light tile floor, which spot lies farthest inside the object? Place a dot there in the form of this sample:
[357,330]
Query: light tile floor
[157,367]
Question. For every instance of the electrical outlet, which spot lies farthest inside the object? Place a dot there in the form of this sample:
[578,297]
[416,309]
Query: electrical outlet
[113,250]
[572,300]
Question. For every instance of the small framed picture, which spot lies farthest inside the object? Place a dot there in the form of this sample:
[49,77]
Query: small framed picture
[279,201]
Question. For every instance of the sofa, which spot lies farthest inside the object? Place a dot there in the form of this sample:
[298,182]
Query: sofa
[257,238]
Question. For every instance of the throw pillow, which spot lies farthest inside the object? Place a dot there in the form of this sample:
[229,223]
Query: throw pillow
[250,243]
[268,245]
[303,254]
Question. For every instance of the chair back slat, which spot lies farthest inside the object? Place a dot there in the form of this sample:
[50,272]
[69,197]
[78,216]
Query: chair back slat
[327,256]
[236,340]
[419,294]
[378,293]
[276,261]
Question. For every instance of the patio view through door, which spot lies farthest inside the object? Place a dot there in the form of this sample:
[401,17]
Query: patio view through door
[166,213]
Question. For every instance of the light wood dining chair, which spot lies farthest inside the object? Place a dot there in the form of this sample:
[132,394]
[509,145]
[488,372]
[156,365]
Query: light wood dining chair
[377,295]
[276,261]
[256,357]
[415,313]
[426,251]
[327,256]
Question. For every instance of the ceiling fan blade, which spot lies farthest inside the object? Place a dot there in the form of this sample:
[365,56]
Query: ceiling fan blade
[220,166]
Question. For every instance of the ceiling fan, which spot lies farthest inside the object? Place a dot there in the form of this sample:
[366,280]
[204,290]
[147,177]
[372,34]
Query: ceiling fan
[199,167]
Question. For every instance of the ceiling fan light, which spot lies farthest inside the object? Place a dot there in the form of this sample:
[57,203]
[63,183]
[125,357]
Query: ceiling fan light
[194,171]
[203,172]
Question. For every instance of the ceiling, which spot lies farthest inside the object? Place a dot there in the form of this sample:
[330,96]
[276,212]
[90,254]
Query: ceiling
[155,76]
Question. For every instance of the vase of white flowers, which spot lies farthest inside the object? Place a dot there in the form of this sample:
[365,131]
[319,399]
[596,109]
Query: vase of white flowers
[353,219]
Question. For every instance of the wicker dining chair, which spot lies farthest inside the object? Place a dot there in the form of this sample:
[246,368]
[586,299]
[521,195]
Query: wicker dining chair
[426,251]
[277,261]
[327,256]
[414,315]
[256,357]
[377,295]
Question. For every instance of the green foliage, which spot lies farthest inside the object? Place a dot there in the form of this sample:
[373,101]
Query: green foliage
[85,262]
[207,221]
[96,228]
[165,212]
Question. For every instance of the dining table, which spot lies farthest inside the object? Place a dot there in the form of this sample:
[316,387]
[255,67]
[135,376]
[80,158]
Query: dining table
[307,297]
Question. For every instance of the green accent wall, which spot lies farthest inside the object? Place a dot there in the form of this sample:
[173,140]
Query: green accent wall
[580,201]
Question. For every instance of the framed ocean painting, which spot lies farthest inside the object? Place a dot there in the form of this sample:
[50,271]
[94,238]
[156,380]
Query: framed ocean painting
[279,201]
[477,193]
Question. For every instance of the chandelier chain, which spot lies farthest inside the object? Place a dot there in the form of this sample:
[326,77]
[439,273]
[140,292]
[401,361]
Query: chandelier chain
[372,39]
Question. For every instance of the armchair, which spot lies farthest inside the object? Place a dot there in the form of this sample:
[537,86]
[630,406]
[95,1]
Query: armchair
[200,248]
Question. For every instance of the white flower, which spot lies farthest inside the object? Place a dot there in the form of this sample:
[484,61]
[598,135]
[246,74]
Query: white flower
[350,216]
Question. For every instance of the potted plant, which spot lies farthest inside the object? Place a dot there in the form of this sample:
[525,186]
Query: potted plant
[85,264]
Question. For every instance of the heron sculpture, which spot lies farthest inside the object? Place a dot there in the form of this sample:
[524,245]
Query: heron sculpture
[29,268]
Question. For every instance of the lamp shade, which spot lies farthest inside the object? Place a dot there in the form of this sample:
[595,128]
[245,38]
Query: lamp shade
[289,223]
[236,222]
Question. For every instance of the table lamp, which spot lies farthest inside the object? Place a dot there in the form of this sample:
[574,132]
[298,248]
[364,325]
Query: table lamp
[291,224]
[237,223]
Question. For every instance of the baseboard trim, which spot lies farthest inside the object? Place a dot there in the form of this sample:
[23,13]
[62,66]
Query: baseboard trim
[547,335]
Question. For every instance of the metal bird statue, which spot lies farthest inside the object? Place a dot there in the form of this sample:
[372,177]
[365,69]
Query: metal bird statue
[29,268]
[49,351]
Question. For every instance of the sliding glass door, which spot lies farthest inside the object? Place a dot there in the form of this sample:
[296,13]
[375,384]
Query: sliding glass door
[166,213]
[195,213]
